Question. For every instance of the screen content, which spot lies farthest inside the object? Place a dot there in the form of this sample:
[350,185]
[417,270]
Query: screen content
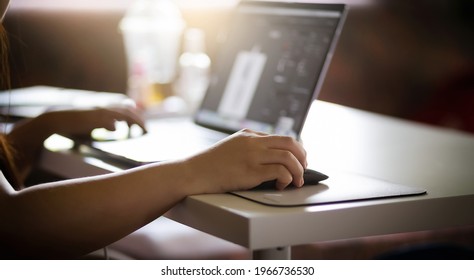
[267,70]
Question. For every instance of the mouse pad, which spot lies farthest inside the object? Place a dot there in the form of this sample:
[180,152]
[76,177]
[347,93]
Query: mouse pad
[338,188]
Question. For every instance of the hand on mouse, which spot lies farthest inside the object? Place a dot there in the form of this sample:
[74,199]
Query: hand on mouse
[246,159]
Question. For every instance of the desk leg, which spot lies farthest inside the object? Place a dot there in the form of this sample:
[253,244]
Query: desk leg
[279,253]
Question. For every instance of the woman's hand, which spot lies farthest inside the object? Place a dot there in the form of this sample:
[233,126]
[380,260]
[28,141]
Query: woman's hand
[81,122]
[246,159]
[28,135]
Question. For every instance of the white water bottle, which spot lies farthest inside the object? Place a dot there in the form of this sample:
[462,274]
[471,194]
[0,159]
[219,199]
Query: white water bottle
[194,68]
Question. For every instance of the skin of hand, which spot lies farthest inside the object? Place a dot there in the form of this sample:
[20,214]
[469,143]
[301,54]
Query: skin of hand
[248,158]
[27,136]
[85,120]
[67,219]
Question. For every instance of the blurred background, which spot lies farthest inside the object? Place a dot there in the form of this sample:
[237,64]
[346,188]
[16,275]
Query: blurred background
[408,59]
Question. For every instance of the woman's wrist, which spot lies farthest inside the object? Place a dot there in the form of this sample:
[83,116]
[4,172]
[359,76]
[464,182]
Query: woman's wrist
[46,124]
[195,180]
[30,132]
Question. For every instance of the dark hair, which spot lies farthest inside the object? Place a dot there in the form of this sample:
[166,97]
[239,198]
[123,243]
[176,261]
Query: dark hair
[4,67]
[7,152]
[7,166]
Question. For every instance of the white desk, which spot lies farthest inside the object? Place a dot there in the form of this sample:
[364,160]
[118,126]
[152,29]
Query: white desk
[343,139]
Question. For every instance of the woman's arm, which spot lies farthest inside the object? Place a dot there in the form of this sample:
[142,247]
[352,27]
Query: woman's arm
[28,135]
[70,218]
[73,217]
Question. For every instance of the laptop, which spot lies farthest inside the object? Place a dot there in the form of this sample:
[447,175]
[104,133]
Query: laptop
[269,68]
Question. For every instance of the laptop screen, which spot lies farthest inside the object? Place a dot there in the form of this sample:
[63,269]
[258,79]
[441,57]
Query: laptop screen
[270,66]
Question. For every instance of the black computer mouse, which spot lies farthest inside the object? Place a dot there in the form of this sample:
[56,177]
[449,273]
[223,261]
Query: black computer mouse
[311,177]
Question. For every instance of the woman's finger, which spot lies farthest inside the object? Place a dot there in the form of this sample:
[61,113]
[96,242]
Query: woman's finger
[288,160]
[128,115]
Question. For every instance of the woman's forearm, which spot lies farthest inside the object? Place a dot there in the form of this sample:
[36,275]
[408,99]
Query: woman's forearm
[27,139]
[73,217]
